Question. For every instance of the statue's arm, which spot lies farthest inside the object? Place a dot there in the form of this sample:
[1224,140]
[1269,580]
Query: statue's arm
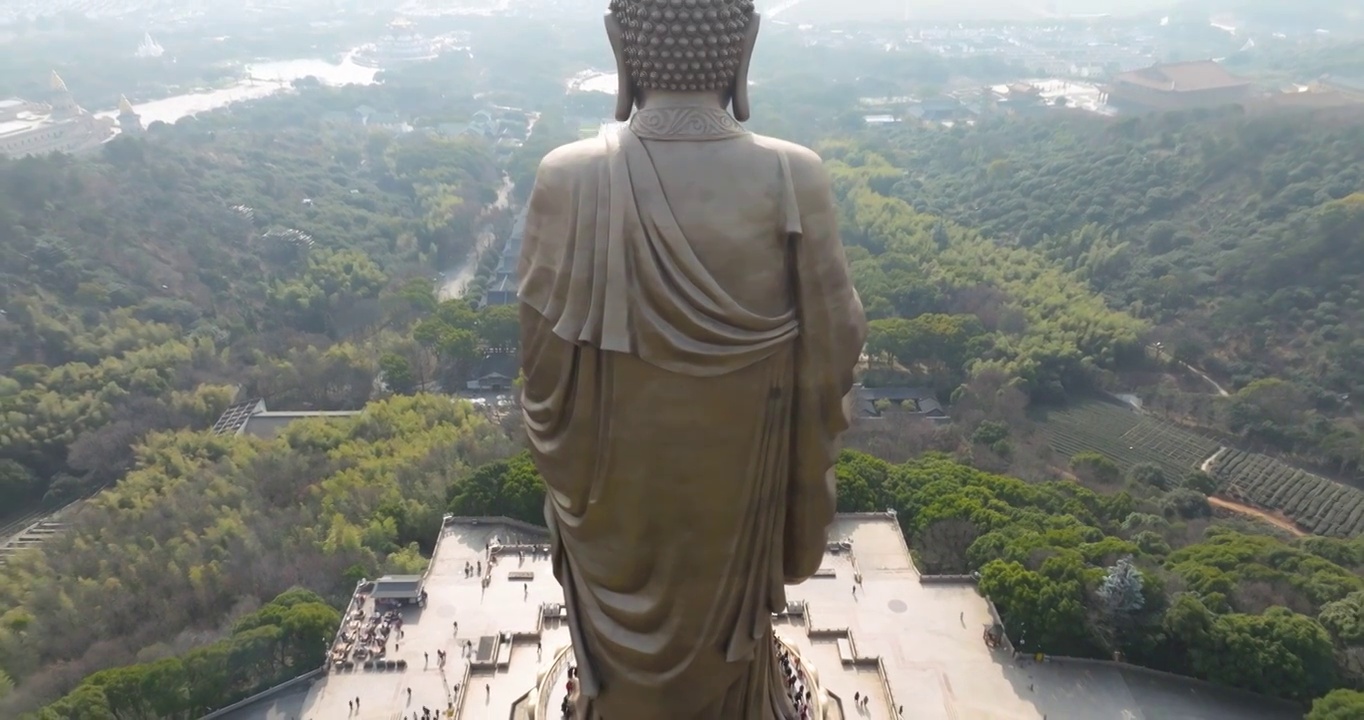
[832,333]
[829,308]
[549,363]
[545,224]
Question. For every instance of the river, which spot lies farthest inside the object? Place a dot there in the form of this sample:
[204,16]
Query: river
[262,80]
[593,81]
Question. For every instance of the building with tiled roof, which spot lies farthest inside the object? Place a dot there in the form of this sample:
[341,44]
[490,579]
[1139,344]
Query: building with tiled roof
[250,417]
[1178,86]
[503,285]
[1351,87]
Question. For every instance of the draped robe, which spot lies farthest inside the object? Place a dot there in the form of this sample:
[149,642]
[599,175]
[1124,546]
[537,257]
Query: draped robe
[689,335]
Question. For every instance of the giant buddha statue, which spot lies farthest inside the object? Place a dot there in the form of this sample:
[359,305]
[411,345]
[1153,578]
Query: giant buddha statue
[689,337]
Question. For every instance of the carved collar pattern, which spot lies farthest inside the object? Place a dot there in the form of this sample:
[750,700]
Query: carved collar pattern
[685,123]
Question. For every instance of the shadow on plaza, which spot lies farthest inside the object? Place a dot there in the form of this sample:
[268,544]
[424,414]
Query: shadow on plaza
[1061,689]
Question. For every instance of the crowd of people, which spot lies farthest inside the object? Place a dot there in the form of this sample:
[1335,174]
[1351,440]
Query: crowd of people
[372,634]
[800,695]
[365,637]
[570,698]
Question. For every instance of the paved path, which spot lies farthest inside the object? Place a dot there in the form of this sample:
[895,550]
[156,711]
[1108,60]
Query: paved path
[505,606]
[1277,521]
[929,637]
[456,279]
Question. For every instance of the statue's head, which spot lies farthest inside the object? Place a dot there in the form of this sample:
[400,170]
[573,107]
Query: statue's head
[682,46]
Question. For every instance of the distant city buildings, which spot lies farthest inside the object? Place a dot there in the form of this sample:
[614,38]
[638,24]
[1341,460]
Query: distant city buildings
[33,128]
[504,128]
[507,128]
[1046,50]
[369,117]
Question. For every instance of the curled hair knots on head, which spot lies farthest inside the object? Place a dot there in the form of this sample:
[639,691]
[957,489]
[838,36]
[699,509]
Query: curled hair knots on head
[682,45]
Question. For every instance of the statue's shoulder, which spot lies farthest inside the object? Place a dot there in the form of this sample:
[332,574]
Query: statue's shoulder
[808,175]
[806,164]
[567,161]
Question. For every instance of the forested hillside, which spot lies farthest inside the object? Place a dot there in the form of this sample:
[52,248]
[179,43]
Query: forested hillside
[209,527]
[1290,61]
[1240,239]
[283,639]
[137,285]
[995,307]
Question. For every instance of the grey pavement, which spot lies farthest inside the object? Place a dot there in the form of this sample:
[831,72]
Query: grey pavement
[927,638]
[938,667]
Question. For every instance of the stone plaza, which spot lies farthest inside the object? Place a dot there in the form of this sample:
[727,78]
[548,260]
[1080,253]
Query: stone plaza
[865,622]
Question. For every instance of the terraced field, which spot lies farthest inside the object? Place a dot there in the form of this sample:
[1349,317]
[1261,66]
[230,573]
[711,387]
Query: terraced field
[1317,504]
[1124,435]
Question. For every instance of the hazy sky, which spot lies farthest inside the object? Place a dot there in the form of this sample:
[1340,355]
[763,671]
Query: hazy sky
[801,10]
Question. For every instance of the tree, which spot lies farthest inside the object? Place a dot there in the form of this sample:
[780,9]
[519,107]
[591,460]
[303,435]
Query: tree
[1201,482]
[990,432]
[332,286]
[1264,410]
[1041,614]
[1120,590]
[938,344]
[1279,649]
[1148,475]
[1095,467]
[941,546]
[451,334]
[18,485]
[416,298]
[499,327]
[1187,503]
[1344,620]
[397,372]
[308,629]
[511,488]
[1339,704]
[861,482]
[86,702]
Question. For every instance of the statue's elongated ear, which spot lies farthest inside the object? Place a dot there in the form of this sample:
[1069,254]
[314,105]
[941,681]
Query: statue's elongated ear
[739,93]
[625,90]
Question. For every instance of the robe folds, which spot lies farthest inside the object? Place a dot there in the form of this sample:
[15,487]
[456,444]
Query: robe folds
[689,336]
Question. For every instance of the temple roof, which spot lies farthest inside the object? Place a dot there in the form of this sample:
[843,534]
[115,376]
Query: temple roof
[1183,77]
